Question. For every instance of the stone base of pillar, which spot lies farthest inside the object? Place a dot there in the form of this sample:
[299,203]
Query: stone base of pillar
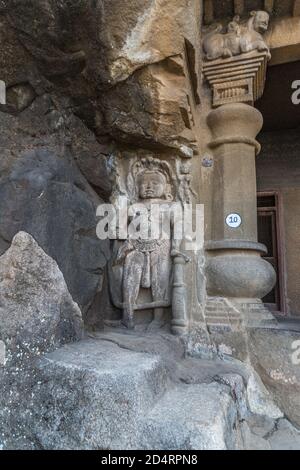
[235,269]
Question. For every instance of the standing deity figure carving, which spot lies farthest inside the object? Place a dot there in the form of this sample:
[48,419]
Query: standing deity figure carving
[146,261]
[239,38]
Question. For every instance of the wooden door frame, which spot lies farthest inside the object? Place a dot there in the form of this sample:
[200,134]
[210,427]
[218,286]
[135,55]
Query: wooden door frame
[280,245]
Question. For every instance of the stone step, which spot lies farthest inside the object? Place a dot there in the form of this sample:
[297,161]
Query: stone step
[225,310]
[95,392]
[190,417]
[223,317]
[219,313]
[221,321]
[223,314]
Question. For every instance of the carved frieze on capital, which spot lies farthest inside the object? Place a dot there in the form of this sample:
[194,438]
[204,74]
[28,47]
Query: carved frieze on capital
[236,60]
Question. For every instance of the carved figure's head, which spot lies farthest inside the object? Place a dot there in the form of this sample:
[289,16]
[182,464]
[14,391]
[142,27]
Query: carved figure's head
[152,185]
[151,178]
[261,21]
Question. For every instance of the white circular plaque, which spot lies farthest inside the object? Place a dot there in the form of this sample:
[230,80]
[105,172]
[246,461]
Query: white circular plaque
[233,220]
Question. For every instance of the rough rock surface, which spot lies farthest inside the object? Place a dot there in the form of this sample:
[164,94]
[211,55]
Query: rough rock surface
[123,390]
[285,437]
[119,62]
[37,313]
[43,193]
[201,416]
[275,358]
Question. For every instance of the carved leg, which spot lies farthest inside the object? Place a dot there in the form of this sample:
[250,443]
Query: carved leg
[158,315]
[131,285]
[261,46]
[127,319]
[158,320]
[245,46]
[227,53]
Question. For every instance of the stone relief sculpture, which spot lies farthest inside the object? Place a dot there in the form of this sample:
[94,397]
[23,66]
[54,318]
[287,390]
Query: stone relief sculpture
[185,191]
[239,38]
[151,263]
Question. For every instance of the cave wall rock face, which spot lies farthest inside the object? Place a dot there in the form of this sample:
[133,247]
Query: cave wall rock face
[121,62]
[43,193]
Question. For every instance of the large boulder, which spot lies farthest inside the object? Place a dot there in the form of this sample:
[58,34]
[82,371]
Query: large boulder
[37,315]
[37,312]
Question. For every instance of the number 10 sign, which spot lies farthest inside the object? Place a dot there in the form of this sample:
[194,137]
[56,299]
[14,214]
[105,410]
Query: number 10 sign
[233,220]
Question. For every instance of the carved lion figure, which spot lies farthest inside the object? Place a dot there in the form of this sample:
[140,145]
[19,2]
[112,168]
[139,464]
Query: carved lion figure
[239,38]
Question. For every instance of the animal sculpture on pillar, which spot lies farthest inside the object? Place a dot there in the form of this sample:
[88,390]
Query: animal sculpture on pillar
[240,38]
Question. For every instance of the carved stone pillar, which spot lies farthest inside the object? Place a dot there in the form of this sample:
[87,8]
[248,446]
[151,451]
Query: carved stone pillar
[235,268]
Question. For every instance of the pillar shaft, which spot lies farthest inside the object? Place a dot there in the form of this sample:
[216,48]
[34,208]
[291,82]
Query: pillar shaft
[235,267]
[234,128]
